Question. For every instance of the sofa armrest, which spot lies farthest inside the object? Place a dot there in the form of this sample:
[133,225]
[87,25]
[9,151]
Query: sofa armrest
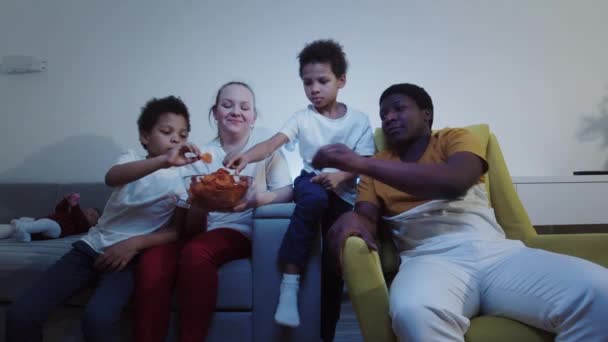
[592,247]
[269,226]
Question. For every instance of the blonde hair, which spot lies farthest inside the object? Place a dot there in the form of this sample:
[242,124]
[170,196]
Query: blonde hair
[217,99]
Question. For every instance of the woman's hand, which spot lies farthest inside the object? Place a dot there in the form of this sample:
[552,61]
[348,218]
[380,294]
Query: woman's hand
[349,224]
[249,202]
[116,257]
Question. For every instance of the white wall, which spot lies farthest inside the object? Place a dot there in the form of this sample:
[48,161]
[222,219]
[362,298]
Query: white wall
[535,70]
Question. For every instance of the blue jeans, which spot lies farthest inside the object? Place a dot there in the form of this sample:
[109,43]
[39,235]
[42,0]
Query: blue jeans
[314,206]
[74,271]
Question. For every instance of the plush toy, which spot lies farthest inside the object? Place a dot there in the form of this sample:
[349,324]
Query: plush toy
[67,219]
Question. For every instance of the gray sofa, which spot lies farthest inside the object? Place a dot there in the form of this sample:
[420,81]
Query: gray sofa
[248,289]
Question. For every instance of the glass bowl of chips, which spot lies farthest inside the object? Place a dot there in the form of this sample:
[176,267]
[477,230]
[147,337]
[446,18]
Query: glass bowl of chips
[218,191]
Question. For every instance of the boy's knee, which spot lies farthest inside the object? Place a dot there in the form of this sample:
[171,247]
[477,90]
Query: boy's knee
[313,199]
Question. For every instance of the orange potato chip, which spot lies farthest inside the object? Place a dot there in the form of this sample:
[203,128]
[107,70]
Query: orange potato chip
[206,157]
[218,190]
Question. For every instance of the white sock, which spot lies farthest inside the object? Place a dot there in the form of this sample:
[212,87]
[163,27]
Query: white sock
[287,309]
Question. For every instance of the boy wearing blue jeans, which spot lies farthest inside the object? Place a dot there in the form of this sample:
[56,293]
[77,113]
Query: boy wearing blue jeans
[321,195]
[139,213]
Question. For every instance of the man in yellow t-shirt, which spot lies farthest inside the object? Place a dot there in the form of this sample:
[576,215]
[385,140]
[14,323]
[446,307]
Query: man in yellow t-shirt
[427,188]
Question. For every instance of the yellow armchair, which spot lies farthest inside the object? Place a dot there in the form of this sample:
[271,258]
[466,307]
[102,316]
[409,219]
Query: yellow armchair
[367,273]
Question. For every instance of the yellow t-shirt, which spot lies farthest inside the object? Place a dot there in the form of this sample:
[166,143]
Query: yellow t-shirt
[442,145]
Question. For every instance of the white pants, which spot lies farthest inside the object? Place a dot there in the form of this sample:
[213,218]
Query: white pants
[434,295]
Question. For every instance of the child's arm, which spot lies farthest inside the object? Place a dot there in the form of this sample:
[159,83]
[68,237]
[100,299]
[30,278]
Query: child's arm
[128,172]
[116,257]
[257,153]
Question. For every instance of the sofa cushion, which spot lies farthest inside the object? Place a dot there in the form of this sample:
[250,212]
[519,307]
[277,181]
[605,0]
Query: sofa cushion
[21,264]
[16,200]
[91,194]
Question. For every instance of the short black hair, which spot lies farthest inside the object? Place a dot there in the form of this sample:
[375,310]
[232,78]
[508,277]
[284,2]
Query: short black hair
[324,51]
[417,94]
[151,112]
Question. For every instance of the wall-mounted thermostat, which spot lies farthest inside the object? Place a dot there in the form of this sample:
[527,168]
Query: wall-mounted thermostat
[17,64]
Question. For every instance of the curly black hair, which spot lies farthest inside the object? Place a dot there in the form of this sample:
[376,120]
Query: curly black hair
[324,51]
[417,94]
[151,112]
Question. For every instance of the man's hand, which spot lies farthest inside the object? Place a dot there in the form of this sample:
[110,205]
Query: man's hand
[237,162]
[116,257]
[177,155]
[329,180]
[349,224]
[337,156]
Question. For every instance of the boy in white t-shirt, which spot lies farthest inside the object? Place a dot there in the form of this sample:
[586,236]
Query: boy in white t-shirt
[320,195]
[146,189]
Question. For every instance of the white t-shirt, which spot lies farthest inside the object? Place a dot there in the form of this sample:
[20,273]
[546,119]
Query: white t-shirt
[139,207]
[269,174]
[313,131]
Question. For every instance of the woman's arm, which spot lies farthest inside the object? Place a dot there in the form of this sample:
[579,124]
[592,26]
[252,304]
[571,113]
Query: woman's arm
[280,195]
